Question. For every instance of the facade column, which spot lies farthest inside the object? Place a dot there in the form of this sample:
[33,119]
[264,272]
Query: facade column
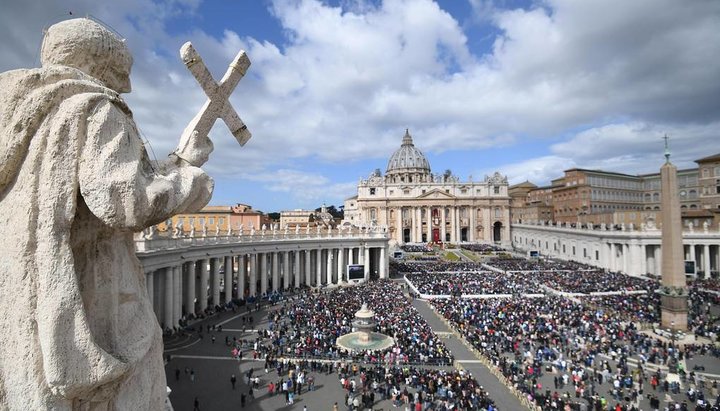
[203,292]
[452,225]
[252,287]
[190,271]
[443,230]
[642,253]
[275,271]
[228,278]
[308,267]
[613,257]
[318,267]
[215,281]
[626,258]
[286,270]
[263,273]
[296,267]
[366,262]
[706,260]
[399,226]
[428,216]
[471,228]
[168,309]
[658,260]
[458,227]
[692,256]
[419,226]
[383,262]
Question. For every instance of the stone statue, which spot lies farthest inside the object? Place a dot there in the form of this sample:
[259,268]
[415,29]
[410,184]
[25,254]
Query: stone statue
[706,226]
[192,231]
[691,226]
[78,329]
[240,230]
[229,230]
[178,230]
[297,229]
[204,229]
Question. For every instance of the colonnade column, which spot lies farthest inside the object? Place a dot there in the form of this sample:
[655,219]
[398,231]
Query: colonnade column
[168,309]
[203,294]
[318,268]
[150,287]
[190,289]
[228,278]
[329,268]
[177,295]
[296,267]
[263,273]
[286,270]
[692,253]
[275,271]
[340,265]
[252,288]
[215,281]
[308,261]
[242,271]
[383,258]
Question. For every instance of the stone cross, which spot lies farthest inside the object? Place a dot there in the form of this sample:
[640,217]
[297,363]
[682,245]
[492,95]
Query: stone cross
[217,105]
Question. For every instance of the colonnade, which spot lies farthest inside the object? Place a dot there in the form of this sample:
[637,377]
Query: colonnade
[189,285]
[632,252]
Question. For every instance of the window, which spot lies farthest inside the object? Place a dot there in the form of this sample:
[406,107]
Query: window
[497,213]
[496,190]
[391,192]
[372,191]
[211,220]
[221,220]
[168,222]
[202,220]
[597,254]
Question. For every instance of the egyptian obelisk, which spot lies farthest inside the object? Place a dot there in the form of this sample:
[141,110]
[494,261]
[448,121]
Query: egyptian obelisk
[674,294]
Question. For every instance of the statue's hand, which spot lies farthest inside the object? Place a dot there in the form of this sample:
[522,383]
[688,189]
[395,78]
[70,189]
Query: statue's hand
[194,148]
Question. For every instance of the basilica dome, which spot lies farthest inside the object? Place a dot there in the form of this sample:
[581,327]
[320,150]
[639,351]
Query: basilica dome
[408,159]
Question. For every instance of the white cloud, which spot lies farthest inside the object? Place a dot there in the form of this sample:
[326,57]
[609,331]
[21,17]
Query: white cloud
[304,187]
[611,74]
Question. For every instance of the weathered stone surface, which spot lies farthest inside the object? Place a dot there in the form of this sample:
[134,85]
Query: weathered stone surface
[78,331]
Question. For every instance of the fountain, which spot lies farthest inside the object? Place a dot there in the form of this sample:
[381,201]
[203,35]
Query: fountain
[364,338]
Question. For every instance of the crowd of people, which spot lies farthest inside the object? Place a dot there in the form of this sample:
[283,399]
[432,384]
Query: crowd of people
[523,337]
[413,388]
[524,264]
[469,283]
[482,248]
[307,325]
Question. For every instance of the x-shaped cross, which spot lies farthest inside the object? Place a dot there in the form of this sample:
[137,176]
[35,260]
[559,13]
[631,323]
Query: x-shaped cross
[217,105]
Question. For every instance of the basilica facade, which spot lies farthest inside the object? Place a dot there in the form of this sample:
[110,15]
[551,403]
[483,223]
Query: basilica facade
[418,206]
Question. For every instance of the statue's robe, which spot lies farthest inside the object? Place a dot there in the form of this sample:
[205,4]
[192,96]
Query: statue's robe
[77,329]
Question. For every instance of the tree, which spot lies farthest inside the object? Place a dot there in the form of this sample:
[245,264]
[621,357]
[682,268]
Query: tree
[275,216]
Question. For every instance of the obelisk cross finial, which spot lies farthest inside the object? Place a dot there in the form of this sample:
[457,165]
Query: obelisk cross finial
[217,105]
[667,148]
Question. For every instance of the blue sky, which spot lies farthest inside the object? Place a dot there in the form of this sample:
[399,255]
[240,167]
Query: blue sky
[525,88]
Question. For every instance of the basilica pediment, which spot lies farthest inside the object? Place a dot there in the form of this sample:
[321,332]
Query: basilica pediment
[436,193]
